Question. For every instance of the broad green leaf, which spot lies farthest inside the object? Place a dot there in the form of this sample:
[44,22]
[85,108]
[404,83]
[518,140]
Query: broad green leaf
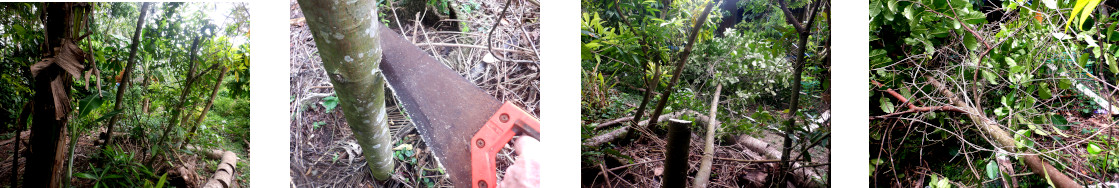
[992,169]
[970,42]
[90,103]
[892,5]
[908,13]
[943,183]
[85,175]
[887,105]
[1111,64]
[109,114]
[330,102]
[1043,91]
[1094,149]
[162,180]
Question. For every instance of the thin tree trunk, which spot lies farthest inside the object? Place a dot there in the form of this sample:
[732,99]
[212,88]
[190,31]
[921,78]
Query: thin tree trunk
[125,79]
[676,154]
[347,37]
[681,62]
[20,124]
[177,111]
[804,30]
[210,103]
[709,143]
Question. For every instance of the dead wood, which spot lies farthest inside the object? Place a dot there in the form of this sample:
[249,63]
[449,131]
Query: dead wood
[223,177]
[802,177]
[622,131]
[1004,140]
[709,143]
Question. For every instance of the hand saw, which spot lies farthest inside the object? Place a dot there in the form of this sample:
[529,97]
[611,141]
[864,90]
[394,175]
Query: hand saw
[463,125]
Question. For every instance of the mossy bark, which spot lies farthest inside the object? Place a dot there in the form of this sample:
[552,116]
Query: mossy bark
[346,33]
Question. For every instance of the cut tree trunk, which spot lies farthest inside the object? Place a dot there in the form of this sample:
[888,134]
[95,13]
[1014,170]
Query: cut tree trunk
[709,142]
[1004,140]
[676,154]
[348,42]
[127,74]
[210,103]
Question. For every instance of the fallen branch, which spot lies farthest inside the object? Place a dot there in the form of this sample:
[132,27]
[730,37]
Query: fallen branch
[622,131]
[709,143]
[1004,140]
[801,177]
[613,122]
[912,108]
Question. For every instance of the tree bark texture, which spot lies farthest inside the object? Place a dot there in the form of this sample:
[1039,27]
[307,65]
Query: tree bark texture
[53,77]
[709,142]
[108,135]
[205,110]
[676,154]
[346,33]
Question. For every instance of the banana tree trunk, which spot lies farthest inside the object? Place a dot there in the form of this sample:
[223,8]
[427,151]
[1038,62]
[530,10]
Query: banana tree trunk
[346,34]
[54,75]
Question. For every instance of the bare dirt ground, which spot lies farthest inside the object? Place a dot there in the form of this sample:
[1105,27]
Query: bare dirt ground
[323,150]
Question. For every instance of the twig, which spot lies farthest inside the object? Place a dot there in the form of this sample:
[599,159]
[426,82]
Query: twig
[474,46]
[497,23]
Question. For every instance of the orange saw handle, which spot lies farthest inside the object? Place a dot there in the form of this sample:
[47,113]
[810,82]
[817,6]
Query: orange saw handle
[508,121]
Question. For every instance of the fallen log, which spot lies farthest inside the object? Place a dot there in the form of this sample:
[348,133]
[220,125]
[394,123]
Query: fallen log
[223,176]
[1004,140]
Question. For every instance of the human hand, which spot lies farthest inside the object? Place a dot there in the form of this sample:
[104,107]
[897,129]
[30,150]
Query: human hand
[525,172]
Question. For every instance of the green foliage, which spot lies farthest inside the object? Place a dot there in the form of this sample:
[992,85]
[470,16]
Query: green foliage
[1024,71]
[937,182]
[122,169]
[159,75]
[329,103]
